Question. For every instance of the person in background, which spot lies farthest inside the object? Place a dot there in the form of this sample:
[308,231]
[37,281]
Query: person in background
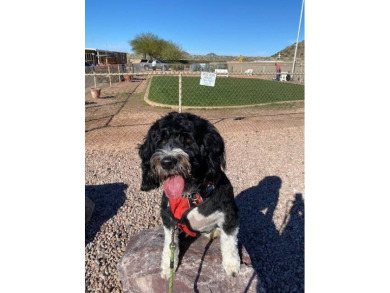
[154,65]
[278,70]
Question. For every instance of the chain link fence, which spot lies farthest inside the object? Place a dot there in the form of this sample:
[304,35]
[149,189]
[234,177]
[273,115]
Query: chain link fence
[103,75]
[261,67]
[240,84]
[132,98]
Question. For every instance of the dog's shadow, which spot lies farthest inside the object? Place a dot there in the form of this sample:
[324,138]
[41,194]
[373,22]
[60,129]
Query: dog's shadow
[108,198]
[278,259]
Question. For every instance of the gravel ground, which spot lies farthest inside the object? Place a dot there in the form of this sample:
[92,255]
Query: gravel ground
[264,163]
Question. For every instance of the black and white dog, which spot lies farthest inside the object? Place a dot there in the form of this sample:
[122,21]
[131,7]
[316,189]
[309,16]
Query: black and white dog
[186,154]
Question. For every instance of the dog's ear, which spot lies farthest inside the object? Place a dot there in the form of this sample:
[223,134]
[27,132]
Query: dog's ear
[145,151]
[213,151]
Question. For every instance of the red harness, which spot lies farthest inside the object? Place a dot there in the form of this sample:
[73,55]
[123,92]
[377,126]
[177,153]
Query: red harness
[182,206]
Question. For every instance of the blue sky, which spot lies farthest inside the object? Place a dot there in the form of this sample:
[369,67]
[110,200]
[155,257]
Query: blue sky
[250,28]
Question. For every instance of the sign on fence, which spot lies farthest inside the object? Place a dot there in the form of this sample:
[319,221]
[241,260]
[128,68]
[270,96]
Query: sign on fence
[207,78]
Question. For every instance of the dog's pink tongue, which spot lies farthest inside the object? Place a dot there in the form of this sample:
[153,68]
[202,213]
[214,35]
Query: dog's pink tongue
[173,186]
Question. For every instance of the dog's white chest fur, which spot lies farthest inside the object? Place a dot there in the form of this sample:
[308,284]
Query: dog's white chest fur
[203,223]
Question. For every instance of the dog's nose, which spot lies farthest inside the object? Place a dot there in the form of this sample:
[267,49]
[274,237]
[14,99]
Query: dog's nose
[168,163]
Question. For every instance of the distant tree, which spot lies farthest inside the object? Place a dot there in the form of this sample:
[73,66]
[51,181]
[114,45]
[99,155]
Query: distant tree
[172,52]
[146,44]
[155,47]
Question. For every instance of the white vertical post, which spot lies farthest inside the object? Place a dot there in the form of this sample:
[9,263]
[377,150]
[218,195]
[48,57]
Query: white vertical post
[180,92]
[296,45]
[109,74]
[94,77]
[119,76]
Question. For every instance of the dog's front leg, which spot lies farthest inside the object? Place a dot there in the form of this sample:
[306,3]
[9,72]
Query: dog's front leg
[166,254]
[230,256]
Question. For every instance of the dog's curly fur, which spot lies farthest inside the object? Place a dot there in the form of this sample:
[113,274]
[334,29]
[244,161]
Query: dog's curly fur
[187,145]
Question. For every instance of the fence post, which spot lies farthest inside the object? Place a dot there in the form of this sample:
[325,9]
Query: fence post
[119,77]
[109,74]
[94,77]
[180,92]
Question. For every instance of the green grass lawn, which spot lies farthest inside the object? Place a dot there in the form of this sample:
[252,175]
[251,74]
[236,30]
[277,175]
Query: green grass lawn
[227,91]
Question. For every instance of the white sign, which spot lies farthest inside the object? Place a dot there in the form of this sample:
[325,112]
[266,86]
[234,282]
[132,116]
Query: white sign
[207,78]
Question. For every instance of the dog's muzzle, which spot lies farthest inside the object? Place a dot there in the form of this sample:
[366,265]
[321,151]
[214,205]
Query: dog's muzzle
[170,161]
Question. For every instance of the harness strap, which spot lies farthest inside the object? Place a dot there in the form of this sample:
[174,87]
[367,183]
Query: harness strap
[182,206]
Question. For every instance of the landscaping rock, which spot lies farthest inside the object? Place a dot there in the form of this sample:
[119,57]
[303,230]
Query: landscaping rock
[200,269]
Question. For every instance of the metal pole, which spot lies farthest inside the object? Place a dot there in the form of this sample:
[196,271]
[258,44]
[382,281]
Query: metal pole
[296,45]
[180,92]
[119,77]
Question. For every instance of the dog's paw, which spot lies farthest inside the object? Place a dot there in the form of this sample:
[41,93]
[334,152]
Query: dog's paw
[165,273]
[165,268]
[232,267]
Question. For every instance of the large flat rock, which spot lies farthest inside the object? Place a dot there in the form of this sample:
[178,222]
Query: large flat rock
[200,268]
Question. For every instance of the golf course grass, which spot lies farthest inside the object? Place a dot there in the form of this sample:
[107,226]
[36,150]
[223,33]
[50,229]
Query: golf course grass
[226,92]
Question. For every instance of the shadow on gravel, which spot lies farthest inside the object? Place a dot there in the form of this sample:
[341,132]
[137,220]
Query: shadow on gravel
[108,198]
[107,97]
[278,259]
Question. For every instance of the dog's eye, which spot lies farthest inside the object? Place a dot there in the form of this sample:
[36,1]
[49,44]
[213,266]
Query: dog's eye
[188,140]
[164,141]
